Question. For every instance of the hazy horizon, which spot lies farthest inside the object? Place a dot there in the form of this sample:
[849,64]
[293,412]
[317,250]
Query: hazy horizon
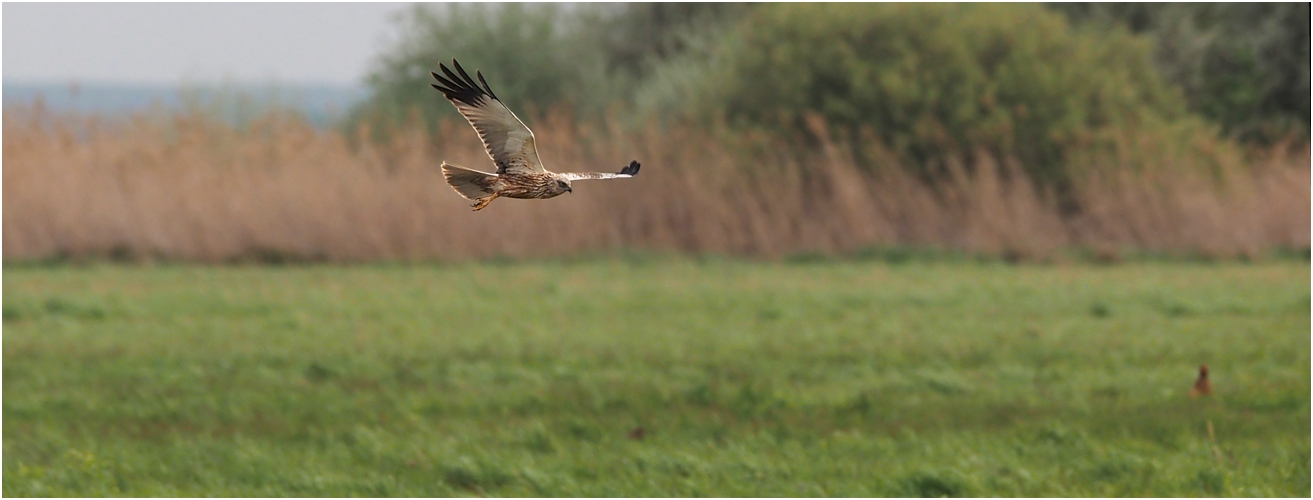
[322,104]
[167,44]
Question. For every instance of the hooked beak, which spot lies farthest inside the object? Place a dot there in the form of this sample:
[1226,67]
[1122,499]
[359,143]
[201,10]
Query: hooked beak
[568,189]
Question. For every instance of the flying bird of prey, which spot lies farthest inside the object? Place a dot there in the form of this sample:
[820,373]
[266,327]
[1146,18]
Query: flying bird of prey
[520,174]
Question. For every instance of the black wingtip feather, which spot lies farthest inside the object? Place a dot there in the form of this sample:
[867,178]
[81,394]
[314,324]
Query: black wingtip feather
[631,169]
[453,78]
[450,86]
[485,84]
[462,72]
[461,88]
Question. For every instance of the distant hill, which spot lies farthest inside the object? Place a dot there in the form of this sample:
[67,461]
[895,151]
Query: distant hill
[321,104]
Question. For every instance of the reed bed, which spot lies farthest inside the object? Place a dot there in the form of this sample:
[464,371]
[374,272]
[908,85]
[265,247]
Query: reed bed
[188,187]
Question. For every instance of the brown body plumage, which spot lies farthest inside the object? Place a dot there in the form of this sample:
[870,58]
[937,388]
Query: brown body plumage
[509,185]
[528,186]
[520,173]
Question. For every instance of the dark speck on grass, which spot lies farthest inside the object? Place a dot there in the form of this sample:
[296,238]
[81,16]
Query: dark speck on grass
[477,477]
[944,383]
[582,430]
[637,433]
[539,441]
[1175,309]
[1211,481]
[14,312]
[317,372]
[1109,392]
[769,314]
[933,484]
[56,306]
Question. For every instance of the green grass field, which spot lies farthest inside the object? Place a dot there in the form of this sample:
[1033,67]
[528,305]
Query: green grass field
[804,379]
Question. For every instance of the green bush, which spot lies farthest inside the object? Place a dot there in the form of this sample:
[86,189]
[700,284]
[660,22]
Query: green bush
[637,37]
[535,56]
[934,81]
[526,51]
[1243,65]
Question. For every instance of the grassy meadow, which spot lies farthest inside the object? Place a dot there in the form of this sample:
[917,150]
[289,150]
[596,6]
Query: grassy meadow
[657,376]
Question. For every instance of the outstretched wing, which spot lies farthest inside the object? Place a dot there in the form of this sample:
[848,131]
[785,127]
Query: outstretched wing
[509,142]
[627,172]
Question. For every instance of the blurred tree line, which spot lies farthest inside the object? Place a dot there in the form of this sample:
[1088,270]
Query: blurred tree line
[919,83]
[1244,65]
[536,56]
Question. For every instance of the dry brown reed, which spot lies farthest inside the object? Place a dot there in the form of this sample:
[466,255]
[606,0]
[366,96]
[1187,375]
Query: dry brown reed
[191,188]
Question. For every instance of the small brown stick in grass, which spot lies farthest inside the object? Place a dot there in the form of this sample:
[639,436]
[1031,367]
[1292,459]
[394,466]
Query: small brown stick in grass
[1212,439]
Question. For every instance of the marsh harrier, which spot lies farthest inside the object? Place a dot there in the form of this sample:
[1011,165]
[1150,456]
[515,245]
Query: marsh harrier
[520,174]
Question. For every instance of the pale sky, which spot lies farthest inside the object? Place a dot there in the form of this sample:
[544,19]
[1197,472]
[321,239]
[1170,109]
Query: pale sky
[168,43]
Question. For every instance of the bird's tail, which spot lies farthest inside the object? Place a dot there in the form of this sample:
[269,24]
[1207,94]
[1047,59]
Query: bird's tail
[472,184]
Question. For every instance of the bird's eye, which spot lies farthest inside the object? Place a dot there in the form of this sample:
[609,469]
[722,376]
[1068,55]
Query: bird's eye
[562,183]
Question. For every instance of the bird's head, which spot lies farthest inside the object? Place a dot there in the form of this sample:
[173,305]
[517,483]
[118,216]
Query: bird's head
[562,186]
